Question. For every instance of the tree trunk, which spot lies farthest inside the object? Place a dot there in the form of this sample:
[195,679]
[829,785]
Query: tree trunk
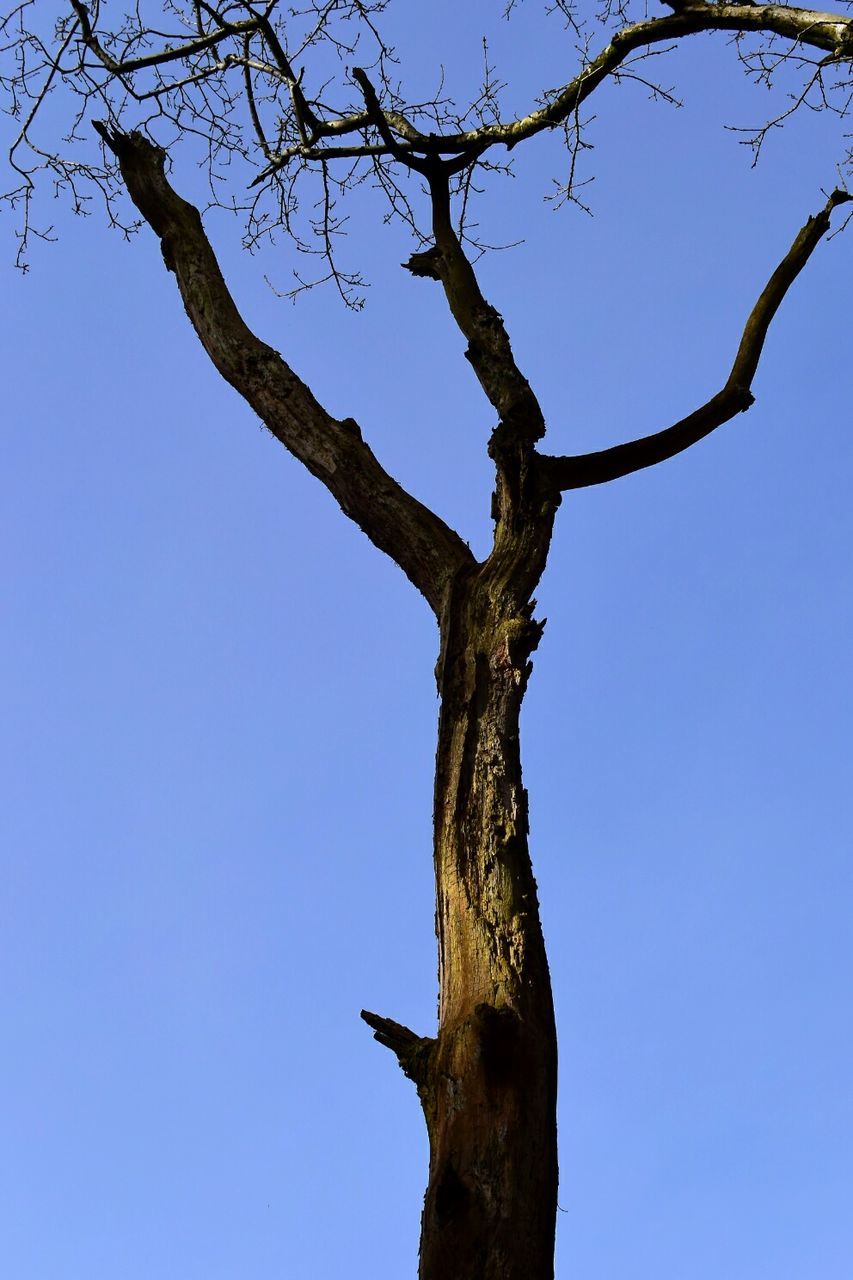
[488,1082]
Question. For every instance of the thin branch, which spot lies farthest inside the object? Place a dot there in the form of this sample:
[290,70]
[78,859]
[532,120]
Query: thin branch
[54,67]
[124,67]
[735,396]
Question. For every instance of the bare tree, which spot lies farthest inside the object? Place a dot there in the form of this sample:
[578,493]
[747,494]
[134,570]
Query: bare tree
[270,99]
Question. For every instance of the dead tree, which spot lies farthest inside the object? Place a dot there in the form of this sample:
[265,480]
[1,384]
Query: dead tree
[272,93]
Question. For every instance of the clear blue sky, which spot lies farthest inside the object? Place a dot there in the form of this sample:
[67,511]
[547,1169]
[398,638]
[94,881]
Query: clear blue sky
[219,710]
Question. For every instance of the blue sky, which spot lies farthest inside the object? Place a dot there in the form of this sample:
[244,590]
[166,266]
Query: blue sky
[219,716]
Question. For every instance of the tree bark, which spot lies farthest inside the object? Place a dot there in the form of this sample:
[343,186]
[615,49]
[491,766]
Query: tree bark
[488,1084]
[488,1080]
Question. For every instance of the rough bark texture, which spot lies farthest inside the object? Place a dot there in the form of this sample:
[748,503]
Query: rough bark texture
[488,1081]
[489,1091]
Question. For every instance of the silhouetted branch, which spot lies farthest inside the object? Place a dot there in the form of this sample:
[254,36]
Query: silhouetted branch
[735,397]
[428,552]
[228,76]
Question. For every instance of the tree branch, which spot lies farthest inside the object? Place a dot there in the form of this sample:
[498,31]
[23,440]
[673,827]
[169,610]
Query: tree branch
[160,58]
[424,547]
[489,350]
[522,512]
[411,1050]
[832,32]
[736,395]
[383,121]
[829,31]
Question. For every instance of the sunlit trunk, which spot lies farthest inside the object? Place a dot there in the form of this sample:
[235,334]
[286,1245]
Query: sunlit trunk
[489,1082]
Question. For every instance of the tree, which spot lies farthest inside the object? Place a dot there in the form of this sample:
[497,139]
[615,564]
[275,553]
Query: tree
[487,1080]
